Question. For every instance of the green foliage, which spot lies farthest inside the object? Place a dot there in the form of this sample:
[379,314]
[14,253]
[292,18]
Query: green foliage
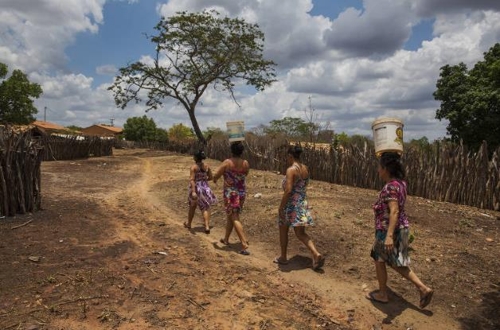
[290,126]
[16,97]
[214,133]
[140,129]
[420,144]
[194,51]
[74,128]
[340,139]
[161,135]
[180,132]
[470,100]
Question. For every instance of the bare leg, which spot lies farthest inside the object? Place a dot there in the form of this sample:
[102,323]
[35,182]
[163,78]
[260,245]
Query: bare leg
[229,228]
[238,227]
[283,242]
[382,294]
[192,209]
[300,232]
[407,273]
[206,218]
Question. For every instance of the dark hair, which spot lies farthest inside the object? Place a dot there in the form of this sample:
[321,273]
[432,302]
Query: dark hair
[295,151]
[199,156]
[391,161]
[237,148]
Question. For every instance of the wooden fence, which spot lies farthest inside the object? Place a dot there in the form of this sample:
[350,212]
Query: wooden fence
[75,147]
[443,171]
[21,155]
[20,159]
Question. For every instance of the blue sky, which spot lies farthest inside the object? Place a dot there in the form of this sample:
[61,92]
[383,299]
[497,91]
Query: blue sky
[122,34]
[121,38]
[356,60]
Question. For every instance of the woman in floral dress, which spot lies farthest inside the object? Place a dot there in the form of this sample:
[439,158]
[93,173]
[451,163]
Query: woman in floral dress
[234,170]
[294,211]
[199,191]
[392,231]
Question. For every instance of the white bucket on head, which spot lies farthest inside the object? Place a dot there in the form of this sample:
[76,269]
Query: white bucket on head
[388,135]
[236,131]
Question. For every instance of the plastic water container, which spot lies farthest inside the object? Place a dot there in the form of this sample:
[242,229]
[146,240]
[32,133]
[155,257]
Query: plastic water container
[388,135]
[236,131]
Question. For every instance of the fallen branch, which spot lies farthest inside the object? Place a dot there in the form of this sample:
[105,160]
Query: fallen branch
[19,226]
[171,286]
[195,303]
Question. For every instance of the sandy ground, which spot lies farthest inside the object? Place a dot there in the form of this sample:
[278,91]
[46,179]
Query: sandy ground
[108,251]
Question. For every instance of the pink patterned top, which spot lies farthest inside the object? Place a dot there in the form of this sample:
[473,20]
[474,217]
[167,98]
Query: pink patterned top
[394,190]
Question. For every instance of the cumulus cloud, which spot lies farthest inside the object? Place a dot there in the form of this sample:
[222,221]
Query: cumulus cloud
[35,33]
[382,27]
[352,68]
[292,36]
[106,70]
[433,7]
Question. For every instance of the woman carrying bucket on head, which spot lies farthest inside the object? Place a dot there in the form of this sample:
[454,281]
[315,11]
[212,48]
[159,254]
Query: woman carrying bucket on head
[234,170]
[391,244]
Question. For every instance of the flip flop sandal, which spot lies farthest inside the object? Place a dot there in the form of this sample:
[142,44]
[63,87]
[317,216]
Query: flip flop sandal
[371,297]
[319,264]
[426,299]
[278,261]
[186,226]
[223,241]
[244,252]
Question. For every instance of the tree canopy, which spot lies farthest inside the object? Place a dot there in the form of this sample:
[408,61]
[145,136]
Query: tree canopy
[16,97]
[179,132]
[470,100]
[140,129]
[195,51]
[291,126]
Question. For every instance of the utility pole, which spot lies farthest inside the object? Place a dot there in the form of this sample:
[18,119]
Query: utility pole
[112,120]
[44,113]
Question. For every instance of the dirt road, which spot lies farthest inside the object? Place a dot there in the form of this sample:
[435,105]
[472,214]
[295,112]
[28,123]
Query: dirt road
[109,252]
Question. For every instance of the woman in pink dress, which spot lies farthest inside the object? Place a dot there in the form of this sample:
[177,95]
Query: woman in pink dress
[234,170]
[392,231]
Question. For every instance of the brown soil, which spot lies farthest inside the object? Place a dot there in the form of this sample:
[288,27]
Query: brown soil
[108,251]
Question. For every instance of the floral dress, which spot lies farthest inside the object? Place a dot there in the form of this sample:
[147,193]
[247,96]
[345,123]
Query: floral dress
[234,190]
[206,197]
[296,209]
[395,190]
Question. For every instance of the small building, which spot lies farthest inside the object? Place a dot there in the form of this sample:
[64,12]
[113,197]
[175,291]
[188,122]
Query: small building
[102,130]
[49,128]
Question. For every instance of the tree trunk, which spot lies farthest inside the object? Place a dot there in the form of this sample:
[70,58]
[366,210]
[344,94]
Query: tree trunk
[196,127]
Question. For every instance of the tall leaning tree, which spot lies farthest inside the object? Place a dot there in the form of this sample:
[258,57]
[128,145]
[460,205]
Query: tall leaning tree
[470,100]
[194,51]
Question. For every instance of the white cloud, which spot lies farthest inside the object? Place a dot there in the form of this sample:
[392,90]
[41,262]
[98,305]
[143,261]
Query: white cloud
[107,70]
[382,27]
[353,67]
[433,7]
[35,33]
